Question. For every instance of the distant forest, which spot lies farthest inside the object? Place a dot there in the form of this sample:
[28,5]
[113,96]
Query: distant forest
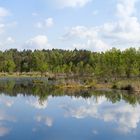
[112,63]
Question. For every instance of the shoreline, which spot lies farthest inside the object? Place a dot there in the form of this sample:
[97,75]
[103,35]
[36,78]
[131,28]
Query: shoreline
[132,85]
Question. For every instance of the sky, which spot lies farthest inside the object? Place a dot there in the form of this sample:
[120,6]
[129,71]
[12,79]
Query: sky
[96,25]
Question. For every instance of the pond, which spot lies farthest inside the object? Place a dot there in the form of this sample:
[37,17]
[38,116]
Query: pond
[39,112]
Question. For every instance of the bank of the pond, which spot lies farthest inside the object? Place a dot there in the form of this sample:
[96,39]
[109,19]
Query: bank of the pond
[128,85]
[64,81]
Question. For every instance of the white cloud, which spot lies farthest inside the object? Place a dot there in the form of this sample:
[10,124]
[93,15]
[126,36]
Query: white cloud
[127,28]
[37,42]
[3,12]
[47,23]
[125,8]
[125,31]
[91,36]
[72,3]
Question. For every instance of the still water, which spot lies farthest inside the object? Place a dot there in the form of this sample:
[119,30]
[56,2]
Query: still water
[37,112]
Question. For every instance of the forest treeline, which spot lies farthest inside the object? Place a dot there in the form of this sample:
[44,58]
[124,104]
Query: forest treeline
[112,63]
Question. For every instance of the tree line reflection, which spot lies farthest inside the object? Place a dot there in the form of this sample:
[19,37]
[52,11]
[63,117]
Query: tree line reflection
[27,88]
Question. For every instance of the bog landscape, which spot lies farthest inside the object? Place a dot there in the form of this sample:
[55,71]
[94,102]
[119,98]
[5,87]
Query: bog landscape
[69,70]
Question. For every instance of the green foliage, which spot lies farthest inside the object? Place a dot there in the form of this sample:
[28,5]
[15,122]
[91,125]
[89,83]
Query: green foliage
[9,66]
[110,64]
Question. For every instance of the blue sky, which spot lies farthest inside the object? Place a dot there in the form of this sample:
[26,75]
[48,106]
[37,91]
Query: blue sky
[96,25]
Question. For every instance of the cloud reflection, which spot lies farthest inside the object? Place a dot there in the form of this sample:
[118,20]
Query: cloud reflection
[4,131]
[6,101]
[5,117]
[48,121]
[36,103]
[124,115]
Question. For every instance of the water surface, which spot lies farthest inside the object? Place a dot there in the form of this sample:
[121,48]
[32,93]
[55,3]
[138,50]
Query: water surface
[38,112]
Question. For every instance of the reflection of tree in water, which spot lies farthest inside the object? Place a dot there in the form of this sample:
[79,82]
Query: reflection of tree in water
[117,96]
[27,88]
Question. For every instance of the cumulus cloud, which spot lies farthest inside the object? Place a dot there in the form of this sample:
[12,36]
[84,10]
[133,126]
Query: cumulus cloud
[92,38]
[127,28]
[72,3]
[47,23]
[124,31]
[125,8]
[38,42]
